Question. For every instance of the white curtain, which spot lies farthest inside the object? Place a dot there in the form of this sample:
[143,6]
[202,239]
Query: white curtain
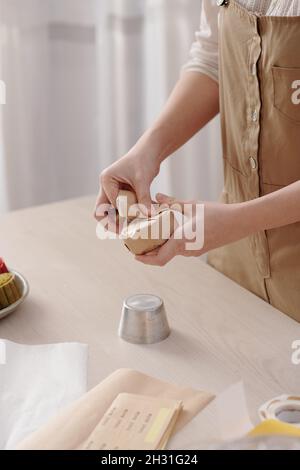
[84,78]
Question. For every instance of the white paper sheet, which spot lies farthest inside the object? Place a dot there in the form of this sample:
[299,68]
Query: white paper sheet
[233,414]
[35,383]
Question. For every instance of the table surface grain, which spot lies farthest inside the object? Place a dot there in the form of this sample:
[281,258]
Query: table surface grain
[221,333]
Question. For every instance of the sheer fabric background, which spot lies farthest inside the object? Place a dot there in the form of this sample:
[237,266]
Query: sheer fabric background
[84,78]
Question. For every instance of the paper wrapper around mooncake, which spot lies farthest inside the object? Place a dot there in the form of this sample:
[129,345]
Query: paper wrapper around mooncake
[127,205]
[144,235]
[141,234]
[9,292]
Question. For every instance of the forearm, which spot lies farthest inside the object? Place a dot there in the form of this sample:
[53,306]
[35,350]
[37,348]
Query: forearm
[277,209]
[192,104]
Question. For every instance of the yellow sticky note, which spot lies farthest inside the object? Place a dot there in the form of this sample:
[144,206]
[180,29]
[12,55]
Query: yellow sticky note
[157,425]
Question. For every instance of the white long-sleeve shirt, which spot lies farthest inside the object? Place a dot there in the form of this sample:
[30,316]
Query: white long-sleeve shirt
[204,51]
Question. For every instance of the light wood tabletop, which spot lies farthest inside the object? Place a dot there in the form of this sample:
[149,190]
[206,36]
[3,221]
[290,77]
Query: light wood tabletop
[220,332]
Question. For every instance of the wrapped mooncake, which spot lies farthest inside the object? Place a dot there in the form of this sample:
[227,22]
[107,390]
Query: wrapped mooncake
[142,234]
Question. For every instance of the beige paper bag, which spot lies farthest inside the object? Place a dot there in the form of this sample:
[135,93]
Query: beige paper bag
[72,426]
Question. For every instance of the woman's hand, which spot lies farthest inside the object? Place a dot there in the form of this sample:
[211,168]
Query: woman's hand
[134,171]
[212,225]
[193,103]
[227,223]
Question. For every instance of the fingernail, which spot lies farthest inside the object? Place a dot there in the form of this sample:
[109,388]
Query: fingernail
[98,212]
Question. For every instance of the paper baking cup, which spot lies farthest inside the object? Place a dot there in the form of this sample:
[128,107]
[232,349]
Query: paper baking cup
[9,292]
[285,408]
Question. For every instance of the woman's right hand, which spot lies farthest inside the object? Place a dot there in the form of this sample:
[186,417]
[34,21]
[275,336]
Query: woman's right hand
[134,172]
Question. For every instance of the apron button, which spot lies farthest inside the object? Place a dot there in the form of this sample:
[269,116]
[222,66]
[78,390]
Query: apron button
[222,3]
[253,163]
[254,116]
[253,69]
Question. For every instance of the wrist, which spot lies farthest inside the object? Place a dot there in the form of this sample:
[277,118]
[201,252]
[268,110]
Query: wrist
[247,216]
[153,145]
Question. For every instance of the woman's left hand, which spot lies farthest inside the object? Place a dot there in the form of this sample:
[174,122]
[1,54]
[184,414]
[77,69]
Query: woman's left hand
[212,224]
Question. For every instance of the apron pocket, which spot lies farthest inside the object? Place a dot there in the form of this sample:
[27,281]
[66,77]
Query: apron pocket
[286,83]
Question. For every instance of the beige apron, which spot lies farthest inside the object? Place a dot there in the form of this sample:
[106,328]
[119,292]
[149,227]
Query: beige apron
[260,116]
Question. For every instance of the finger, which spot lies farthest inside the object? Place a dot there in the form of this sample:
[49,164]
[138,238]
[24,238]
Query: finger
[144,198]
[162,256]
[153,252]
[170,201]
[102,205]
[111,188]
[164,199]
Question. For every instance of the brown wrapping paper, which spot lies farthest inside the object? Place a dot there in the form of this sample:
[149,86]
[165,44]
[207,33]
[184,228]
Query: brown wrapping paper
[70,429]
[144,235]
[125,201]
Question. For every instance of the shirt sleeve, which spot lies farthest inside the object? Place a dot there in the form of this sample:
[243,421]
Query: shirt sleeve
[204,51]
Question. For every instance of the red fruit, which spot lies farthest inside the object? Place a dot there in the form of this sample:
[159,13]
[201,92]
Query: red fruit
[3,268]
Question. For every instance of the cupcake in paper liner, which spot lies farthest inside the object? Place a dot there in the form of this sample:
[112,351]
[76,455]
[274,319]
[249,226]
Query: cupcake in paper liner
[9,292]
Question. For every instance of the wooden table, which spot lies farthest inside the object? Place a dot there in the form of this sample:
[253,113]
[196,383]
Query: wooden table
[220,332]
